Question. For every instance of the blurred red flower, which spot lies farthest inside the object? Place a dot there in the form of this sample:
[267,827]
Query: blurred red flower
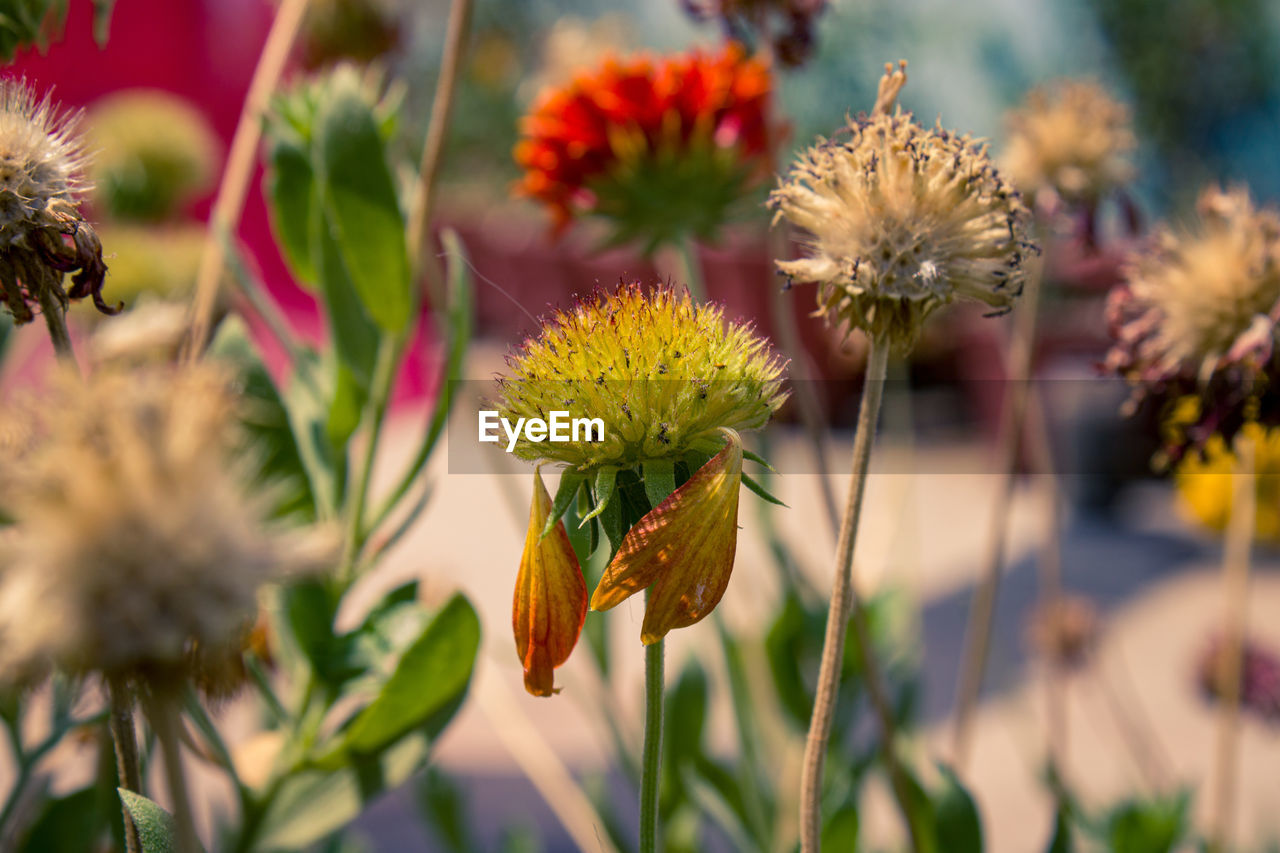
[661,145]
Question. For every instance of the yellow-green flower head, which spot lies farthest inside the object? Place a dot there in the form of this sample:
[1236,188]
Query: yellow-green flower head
[663,374]
[153,152]
[902,219]
[1070,137]
[40,162]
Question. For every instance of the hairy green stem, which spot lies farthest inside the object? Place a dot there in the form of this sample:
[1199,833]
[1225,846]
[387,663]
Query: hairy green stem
[1235,580]
[651,772]
[124,737]
[375,412]
[845,605]
[56,319]
[687,255]
[163,713]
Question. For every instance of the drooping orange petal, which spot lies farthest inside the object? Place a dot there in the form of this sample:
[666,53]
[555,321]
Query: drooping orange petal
[682,550]
[550,600]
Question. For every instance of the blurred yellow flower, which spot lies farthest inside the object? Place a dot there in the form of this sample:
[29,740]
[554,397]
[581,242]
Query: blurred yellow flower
[1205,482]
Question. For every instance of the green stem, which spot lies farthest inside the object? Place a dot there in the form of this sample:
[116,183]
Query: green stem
[687,253]
[124,737]
[651,773]
[375,412]
[27,762]
[55,318]
[263,683]
[1012,428]
[163,713]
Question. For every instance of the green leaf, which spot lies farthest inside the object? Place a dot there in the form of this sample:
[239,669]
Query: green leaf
[716,793]
[1061,842]
[659,480]
[959,826]
[345,408]
[758,459]
[315,803]
[360,204]
[433,672]
[566,492]
[686,714]
[1148,826]
[355,336]
[157,831]
[760,490]
[443,805]
[267,422]
[310,611]
[290,199]
[102,20]
[66,824]
[840,831]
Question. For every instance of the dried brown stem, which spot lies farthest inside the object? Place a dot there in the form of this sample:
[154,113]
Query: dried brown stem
[234,187]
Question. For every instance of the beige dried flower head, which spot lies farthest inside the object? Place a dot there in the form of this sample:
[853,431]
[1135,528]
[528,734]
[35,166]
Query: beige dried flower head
[1201,299]
[902,220]
[42,234]
[137,550]
[1070,137]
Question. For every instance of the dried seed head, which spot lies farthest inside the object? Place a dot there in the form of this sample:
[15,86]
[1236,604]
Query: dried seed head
[137,549]
[902,220]
[662,373]
[40,162]
[1070,137]
[1203,299]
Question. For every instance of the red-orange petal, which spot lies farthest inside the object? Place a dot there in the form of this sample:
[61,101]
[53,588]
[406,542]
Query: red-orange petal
[682,550]
[550,600]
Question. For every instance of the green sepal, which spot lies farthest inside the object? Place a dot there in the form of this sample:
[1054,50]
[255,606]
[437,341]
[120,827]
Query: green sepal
[659,477]
[570,483]
[758,459]
[606,479]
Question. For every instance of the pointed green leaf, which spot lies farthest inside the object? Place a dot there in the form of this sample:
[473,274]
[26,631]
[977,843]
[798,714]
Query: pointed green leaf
[758,459]
[157,831]
[956,816]
[355,337]
[760,490]
[433,672]
[840,831]
[359,199]
[290,185]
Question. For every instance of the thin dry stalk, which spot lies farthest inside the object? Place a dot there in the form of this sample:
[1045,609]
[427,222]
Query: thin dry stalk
[229,203]
[125,740]
[845,604]
[433,147]
[1235,581]
[1012,423]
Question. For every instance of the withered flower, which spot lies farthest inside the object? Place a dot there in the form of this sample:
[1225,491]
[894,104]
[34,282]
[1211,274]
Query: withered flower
[42,233]
[901,220]
[137,548]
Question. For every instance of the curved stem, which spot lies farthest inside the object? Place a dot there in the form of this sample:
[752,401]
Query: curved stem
[845,604]
[651,772]
[1235,580]
[1012,424]
[124,737]
[162,711]
[229,203]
